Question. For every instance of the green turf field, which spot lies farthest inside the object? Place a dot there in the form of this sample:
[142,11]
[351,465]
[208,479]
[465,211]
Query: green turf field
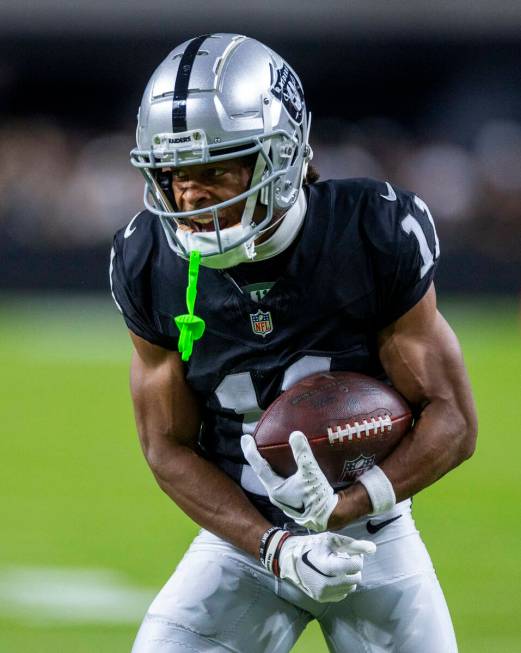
[87,537]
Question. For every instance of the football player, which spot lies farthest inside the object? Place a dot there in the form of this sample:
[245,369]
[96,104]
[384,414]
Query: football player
[244,275]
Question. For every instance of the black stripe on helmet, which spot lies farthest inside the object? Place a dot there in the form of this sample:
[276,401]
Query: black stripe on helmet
[181,83]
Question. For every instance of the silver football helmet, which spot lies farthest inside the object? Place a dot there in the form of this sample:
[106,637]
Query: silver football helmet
[215,97]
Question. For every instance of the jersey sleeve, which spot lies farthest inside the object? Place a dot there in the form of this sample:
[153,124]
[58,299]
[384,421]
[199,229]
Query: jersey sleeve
[128,287]
[406,250]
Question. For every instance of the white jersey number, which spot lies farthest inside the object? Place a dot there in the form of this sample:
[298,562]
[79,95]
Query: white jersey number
[411,225]
[237,392]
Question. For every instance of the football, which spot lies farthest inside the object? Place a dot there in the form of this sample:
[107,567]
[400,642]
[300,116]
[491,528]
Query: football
[352,422]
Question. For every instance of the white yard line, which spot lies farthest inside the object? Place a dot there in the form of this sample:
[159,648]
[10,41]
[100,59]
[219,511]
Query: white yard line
[63,595]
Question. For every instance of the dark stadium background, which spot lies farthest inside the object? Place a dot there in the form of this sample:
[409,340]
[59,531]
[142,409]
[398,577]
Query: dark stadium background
[425,95]
[400,93]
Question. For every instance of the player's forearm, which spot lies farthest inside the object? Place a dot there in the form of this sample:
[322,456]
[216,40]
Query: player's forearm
[442,438]
[430,372]
[423,359]
[210,497]
[168,421]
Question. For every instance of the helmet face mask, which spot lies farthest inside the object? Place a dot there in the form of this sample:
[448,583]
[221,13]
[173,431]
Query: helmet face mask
[238,99]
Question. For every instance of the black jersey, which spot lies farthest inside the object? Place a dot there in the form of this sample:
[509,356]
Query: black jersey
[365,254]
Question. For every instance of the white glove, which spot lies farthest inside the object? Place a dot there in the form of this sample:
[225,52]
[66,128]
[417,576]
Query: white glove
[325,566]
[306,497]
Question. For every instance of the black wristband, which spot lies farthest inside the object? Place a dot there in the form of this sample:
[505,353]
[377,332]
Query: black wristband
[264,541]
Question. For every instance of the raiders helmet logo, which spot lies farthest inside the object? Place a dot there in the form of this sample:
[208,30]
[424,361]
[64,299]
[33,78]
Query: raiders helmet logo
[288,90]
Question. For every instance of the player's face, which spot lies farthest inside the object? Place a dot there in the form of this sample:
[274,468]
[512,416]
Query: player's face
[199,186]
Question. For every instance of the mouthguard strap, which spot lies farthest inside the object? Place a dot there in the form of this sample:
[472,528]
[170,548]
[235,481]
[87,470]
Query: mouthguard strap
[191,326]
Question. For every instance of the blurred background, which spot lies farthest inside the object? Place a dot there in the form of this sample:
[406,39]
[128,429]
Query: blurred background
[425,95]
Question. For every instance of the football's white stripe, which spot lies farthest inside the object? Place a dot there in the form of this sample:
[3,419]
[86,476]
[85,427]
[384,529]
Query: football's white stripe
[65,595]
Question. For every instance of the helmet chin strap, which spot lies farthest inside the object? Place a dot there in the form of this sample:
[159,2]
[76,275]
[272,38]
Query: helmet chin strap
[251,203]
[260,166]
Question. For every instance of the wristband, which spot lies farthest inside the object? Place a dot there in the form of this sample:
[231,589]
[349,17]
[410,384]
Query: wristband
[264,540]
[271,557]
[379,489]
[275,567]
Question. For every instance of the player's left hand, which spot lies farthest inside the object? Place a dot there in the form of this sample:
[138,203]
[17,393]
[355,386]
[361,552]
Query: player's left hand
[306,497]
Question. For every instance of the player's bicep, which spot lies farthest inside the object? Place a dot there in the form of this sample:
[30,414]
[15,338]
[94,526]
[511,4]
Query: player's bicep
[423,359]
[166,409]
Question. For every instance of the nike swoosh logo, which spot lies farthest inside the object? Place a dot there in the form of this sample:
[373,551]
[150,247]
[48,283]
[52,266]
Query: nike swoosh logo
[391,195]
[129,231]
[300,509]
[374,528]
[307,561]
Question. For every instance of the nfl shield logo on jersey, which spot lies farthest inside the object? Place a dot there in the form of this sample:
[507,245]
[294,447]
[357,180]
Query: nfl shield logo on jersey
[261,323]
[357,466]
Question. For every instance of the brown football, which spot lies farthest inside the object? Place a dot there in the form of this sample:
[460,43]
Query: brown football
[352,422]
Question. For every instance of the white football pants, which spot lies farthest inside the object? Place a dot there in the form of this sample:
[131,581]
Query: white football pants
[220,600]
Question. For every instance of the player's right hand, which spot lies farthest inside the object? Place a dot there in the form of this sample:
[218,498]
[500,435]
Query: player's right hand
[326,566]
[306,496]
